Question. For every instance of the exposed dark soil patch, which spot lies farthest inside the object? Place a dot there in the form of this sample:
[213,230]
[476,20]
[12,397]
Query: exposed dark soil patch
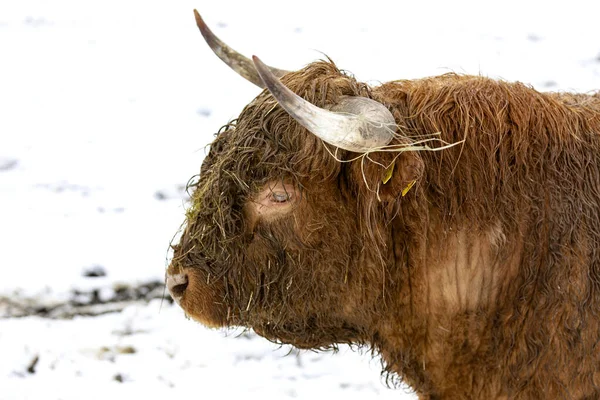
[85,303]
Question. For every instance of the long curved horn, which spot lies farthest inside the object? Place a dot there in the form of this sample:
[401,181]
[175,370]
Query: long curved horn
[356,123]
[235,60]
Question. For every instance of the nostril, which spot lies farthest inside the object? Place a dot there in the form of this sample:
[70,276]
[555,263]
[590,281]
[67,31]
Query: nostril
[177,283]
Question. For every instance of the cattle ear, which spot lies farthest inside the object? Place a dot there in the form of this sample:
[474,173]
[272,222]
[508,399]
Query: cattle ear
[389,175]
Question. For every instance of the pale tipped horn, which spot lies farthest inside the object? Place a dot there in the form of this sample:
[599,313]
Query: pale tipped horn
[356,124]
[237,62]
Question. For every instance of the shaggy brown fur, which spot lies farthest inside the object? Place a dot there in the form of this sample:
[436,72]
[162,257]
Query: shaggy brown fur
[482,282]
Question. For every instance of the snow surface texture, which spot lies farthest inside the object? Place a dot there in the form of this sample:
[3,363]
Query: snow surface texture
[105,112]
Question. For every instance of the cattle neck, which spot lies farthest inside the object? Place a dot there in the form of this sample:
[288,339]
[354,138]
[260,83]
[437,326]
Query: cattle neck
[441,319]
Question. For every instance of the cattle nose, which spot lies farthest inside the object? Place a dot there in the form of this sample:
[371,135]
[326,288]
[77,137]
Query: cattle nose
[177,283]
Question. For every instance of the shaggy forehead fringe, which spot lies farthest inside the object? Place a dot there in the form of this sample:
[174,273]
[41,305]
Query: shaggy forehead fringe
[263,144]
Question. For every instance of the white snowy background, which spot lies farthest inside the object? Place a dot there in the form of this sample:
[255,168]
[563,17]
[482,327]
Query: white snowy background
[105,112]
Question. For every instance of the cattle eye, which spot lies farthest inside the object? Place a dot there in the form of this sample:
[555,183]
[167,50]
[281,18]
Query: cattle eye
[276,199]
[280,197]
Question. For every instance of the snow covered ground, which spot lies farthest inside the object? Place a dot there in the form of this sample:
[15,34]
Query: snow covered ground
[105,112]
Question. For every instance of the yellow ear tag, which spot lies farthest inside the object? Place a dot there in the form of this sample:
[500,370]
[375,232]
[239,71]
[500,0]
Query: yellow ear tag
[407,188]
[387,175]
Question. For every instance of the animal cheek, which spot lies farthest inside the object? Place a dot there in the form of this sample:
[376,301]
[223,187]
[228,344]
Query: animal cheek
[203,300]
[250,218]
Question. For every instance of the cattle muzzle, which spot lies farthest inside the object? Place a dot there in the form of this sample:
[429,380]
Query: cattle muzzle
[181,277]
[177,283]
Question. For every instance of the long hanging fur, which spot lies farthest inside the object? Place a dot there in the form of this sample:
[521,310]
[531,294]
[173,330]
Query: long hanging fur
[480,281]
